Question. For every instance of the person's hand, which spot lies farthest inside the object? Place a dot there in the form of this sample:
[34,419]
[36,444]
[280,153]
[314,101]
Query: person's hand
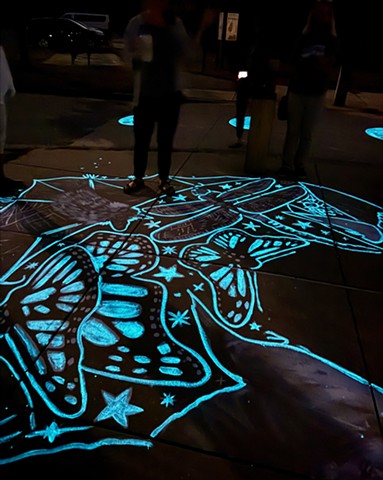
[209,17]
[11,92]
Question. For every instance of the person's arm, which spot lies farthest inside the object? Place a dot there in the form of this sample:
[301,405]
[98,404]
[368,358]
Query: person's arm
[7,87]
[132,51]
[191,42]
[184,41]
[332,54]
[324,62]
[209,17]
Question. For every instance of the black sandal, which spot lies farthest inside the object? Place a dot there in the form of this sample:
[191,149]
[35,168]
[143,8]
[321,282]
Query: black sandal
[166,188]
[134,186]
[10,187]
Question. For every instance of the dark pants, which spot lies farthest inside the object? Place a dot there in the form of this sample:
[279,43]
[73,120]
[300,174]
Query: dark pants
[165,113]
[241,104]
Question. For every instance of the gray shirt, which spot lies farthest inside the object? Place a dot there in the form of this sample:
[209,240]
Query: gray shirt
[155,53]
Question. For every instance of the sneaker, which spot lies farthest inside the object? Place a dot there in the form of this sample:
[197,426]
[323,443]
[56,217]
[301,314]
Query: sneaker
[166,188]
[10,187]
[285,172]
[300,173]
[134,186]
[237,144]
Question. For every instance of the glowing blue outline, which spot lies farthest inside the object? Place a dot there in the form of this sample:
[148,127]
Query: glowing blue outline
[375,132]
[202,192]
[106,442]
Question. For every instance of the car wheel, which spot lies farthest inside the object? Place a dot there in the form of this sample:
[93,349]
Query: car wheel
[43,43]
[90,44]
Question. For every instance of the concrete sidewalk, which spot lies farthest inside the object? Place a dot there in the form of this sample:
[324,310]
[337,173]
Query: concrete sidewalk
[233,330]
[54,122]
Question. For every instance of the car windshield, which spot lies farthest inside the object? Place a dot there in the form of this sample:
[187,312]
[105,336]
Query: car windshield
[76,22]
[83,25]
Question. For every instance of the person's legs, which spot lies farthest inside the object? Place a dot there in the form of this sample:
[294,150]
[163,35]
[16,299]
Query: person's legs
[166,129]
[294,122]
[8,186]
[241,101]
[313,106]
[241,106]
[3,136]
[144,121]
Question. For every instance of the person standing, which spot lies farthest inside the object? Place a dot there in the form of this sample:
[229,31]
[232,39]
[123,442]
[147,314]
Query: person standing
[156,42]
[314,57]
[8,186]
[255,79]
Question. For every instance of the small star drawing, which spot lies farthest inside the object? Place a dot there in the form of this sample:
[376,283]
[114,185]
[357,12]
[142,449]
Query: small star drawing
[118,407]
[199,287]
[255,326]
[251,226]
[221,381]
[169,273]
[168,400]
[179,318]
[31,266]
[180,198]
[153,224]
[169,250]
[52,432]
[303,225]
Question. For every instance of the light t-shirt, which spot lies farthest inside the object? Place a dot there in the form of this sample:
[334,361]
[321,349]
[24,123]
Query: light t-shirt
[7,87]
[156,54]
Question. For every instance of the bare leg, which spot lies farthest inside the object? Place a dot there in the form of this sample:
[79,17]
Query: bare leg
[8,186]
[3,135]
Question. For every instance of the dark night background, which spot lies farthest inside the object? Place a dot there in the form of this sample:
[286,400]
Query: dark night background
[359,24]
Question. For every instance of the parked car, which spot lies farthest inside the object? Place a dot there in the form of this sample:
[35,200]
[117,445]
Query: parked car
[96,20]
[64,35]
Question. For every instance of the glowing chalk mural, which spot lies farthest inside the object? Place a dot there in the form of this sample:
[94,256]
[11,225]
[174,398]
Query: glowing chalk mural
[376,132]
[127,121]
[116,296]
[246,123]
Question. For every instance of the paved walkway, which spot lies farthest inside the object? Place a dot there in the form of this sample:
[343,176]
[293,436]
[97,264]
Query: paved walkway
[233,330]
